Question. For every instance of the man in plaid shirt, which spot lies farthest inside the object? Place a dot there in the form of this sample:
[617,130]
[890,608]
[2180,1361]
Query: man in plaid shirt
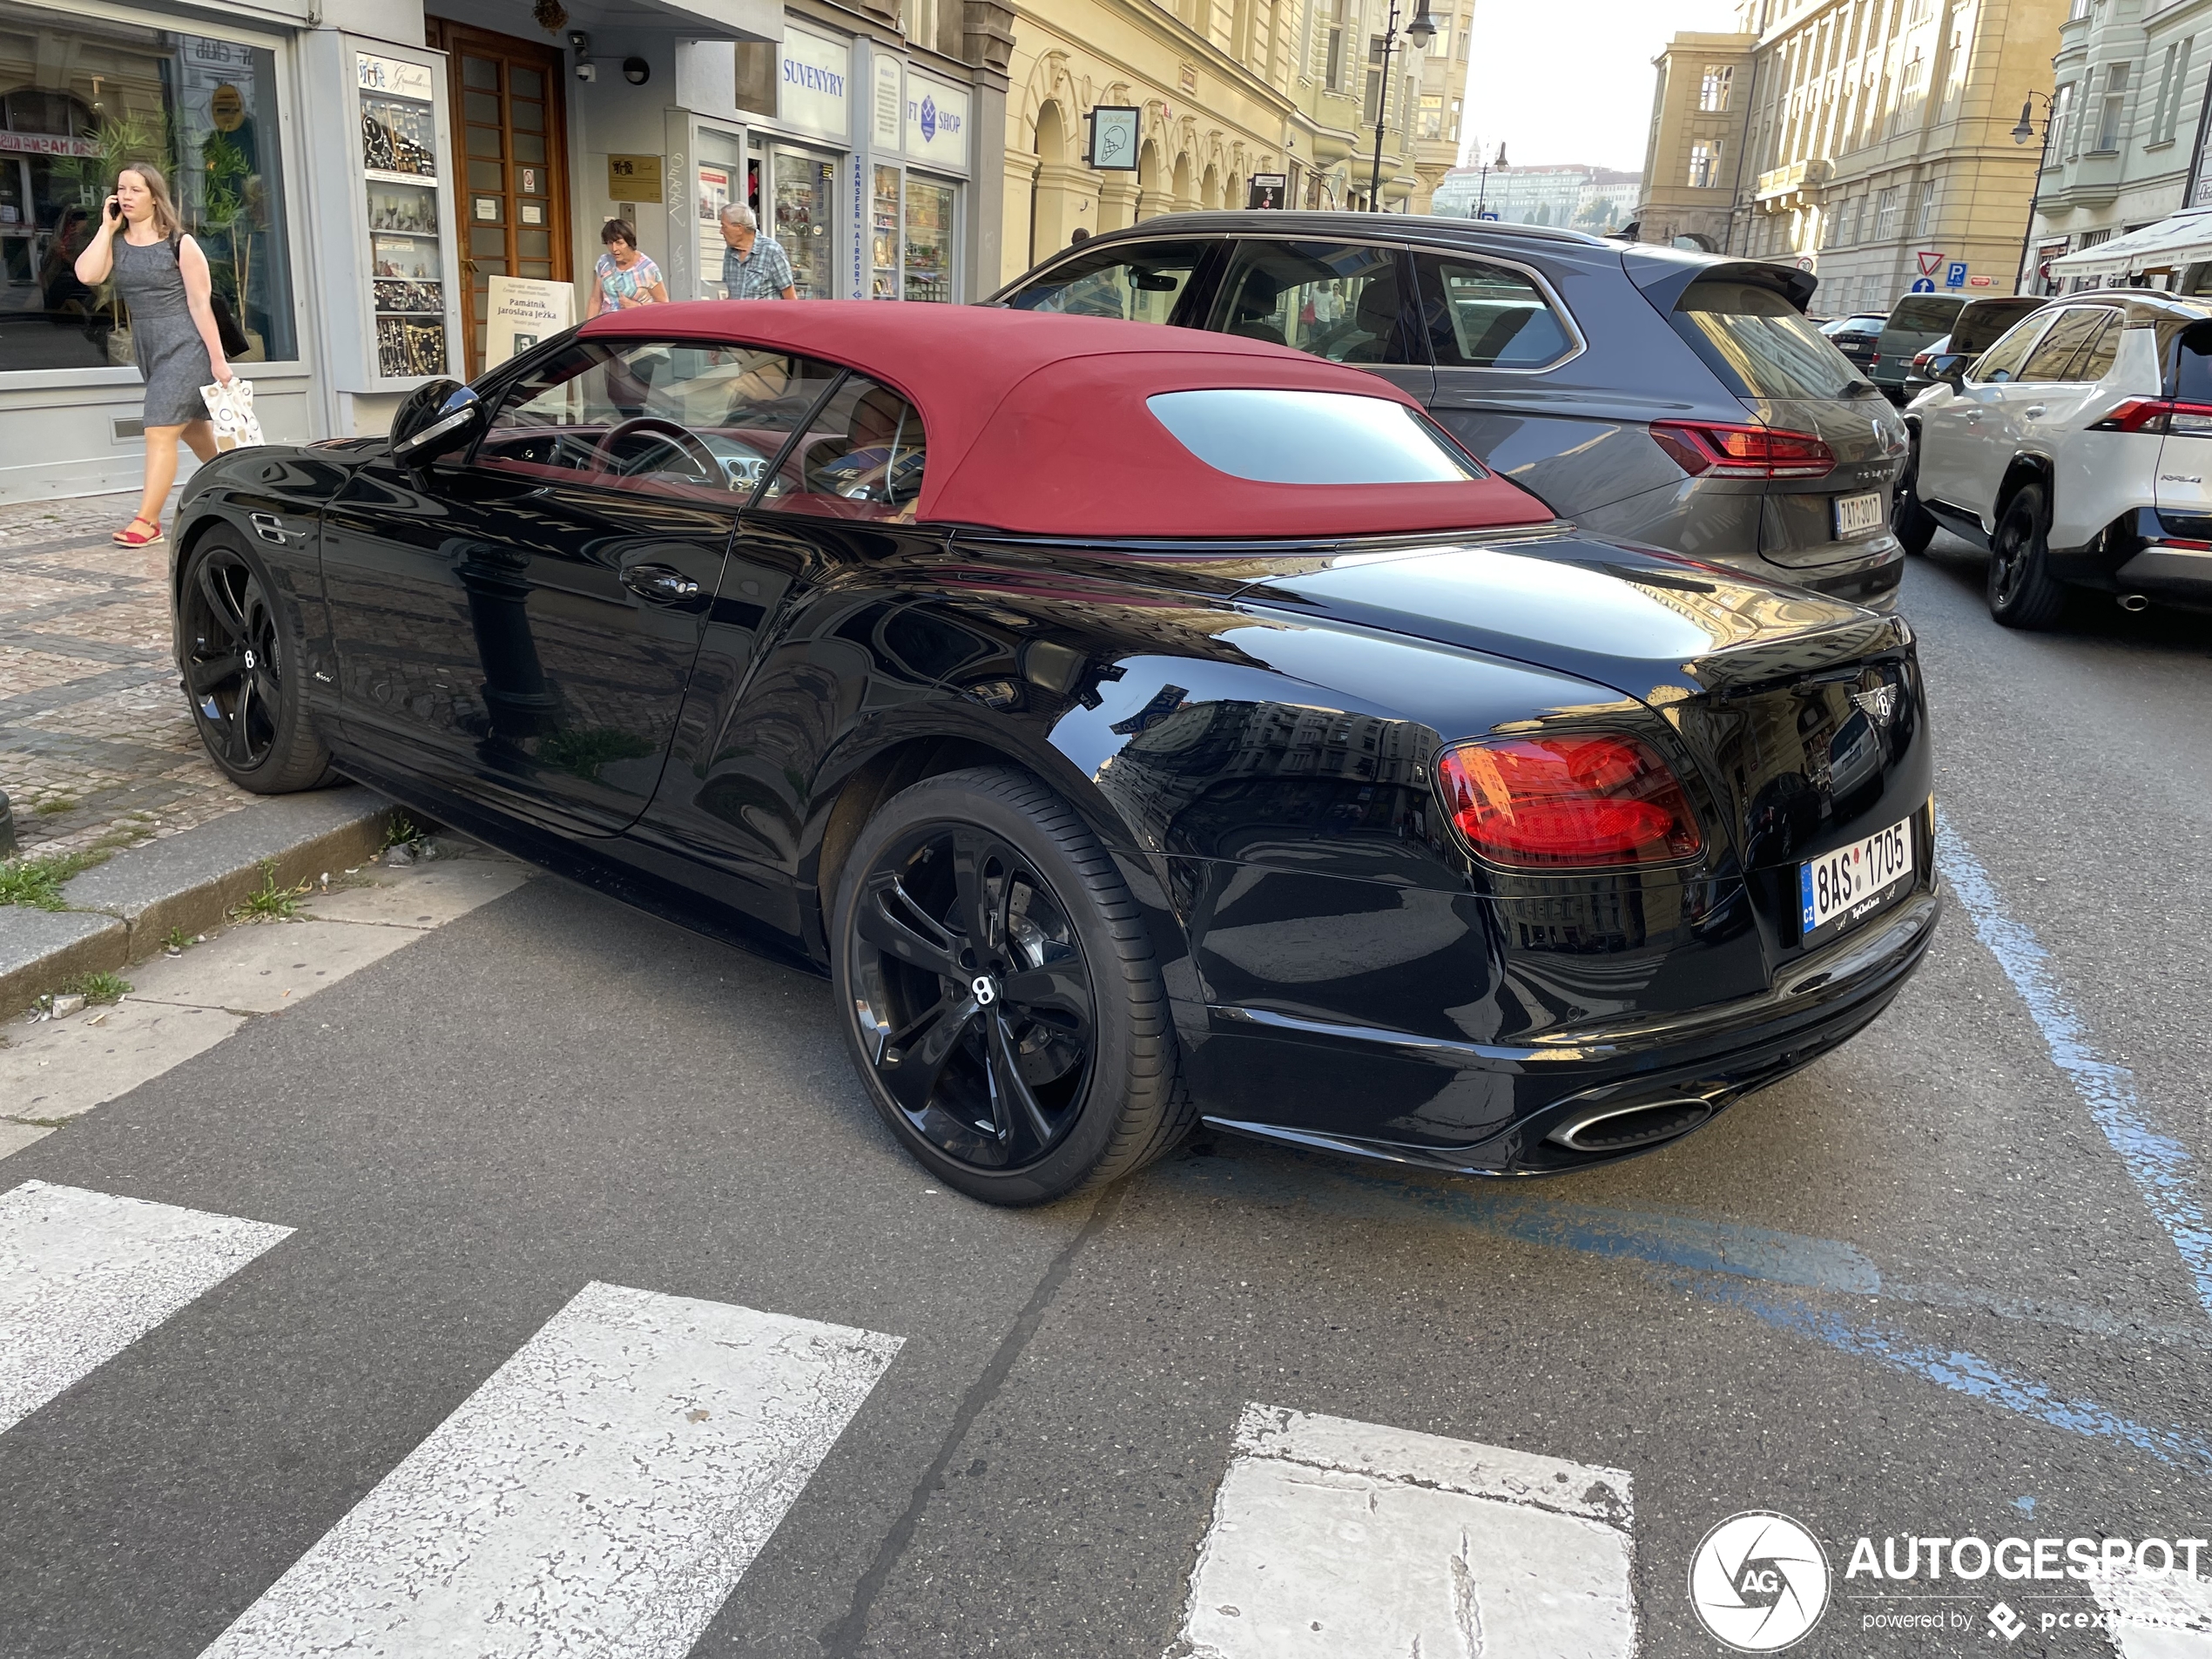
[753,266]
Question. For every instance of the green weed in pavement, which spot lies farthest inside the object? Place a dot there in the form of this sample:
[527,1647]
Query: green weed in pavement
[37,883]
[272,903]
[97,988]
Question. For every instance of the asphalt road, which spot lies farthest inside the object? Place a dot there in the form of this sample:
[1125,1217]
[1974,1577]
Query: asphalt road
[1944,1283]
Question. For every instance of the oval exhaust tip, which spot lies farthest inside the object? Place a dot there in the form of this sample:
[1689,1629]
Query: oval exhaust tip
[1624,1127]
[2135,602]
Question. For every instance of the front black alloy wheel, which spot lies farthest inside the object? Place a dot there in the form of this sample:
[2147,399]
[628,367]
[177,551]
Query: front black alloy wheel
[1000,991]
[237,655]
[2022,591]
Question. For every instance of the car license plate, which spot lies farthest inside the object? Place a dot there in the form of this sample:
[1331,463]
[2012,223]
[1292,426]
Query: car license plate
[1857,515]
[1851,882]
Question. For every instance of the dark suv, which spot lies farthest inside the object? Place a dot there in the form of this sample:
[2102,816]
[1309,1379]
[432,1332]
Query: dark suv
[1675,399]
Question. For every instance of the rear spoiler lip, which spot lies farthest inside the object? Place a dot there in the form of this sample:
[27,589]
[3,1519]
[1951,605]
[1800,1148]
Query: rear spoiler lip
[1663,283]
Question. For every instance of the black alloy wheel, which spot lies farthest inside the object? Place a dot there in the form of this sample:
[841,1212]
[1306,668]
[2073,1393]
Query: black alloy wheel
[1000,991]
[2022,591]
[1912,524]
[237,655]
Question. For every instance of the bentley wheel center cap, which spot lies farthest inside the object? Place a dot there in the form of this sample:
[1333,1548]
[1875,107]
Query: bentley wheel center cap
[985,990]
[249,659]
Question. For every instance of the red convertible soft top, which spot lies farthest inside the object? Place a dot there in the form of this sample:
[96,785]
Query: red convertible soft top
[1038,423]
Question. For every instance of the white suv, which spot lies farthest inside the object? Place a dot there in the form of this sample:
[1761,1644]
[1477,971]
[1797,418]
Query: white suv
[2077,450]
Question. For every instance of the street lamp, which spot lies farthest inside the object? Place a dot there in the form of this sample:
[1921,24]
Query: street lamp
[2021,134]
[1482,196]
[1420,31]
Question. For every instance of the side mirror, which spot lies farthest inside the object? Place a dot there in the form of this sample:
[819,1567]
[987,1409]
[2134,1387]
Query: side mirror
[434,420]
[1950,368]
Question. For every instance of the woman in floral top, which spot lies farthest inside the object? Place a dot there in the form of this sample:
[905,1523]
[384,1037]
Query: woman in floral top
[624,276]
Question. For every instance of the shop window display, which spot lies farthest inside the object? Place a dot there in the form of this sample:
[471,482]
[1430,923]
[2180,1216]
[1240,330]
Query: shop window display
[929,239]
[202,109]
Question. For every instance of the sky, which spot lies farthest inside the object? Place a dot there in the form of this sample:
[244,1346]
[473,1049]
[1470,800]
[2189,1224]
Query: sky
[1571,80]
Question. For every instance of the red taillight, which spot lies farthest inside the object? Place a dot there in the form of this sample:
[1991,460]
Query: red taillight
[2160,415]
[1567,802]
[1921,361]
[1743,451]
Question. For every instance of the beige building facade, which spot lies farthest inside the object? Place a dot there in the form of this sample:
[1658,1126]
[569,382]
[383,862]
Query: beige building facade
[1693,159]
[1877,142]
[1228,89]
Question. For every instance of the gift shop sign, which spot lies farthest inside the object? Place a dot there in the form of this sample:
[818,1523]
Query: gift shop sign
[815,82]
[936,123]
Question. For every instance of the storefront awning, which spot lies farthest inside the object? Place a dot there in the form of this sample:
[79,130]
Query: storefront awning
[755,20]
[2176,241]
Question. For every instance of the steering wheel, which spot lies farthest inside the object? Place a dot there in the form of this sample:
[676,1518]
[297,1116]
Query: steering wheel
[668,433]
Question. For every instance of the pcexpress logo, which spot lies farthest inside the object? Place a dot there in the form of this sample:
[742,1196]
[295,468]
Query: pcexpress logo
[1758,1582]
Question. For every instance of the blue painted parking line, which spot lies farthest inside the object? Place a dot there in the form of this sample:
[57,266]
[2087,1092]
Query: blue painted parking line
[1955,1369]
[2159,1165]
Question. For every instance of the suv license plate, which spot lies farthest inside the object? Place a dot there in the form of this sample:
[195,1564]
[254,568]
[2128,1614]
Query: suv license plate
[1853,882]
[1857,515]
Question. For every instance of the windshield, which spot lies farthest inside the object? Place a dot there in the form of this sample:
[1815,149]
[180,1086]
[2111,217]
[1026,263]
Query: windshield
[1758,343]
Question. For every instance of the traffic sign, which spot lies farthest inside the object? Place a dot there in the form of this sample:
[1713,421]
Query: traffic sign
[1922,285]
[1489,216]
[1954,274]
[1980,282]
[1930,263]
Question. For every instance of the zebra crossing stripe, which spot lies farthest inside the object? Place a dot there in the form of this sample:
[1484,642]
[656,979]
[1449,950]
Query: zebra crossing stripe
[601,1493]
[84,1275]
[1332,1538]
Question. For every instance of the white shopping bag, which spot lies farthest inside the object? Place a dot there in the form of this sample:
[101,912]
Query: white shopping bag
[231,408]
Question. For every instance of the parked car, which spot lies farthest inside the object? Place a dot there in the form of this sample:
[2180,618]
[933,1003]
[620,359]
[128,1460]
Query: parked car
[2076,449]
[1855,337]
[1913,322]
[1980,325]
[1133,725]
[1670,398]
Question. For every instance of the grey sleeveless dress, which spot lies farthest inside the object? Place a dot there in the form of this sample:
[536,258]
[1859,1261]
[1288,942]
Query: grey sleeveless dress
[164,338]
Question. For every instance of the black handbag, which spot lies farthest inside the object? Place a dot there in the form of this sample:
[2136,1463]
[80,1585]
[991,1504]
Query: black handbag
[235,343]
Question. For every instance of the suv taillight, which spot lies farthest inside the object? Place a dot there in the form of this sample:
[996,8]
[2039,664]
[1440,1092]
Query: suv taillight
[1743,451]
[2161,414]
[1567,802]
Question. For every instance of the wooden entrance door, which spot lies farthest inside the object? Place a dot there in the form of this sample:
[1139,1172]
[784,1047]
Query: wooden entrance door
[511,139]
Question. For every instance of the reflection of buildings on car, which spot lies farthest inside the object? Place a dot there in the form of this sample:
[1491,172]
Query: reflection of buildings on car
[361,175]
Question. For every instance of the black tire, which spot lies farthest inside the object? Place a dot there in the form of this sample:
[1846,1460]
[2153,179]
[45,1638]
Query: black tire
[1912,523]
[239,656]
[1012,1095]
[2022,591]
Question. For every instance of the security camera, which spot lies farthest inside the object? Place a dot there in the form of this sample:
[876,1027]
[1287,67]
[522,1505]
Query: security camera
[587,71]
[578,41]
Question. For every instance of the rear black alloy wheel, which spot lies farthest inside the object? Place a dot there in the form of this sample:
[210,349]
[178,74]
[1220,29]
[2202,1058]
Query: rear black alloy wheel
[237,655]
[2022,591]
[1000,994]
[1912,524]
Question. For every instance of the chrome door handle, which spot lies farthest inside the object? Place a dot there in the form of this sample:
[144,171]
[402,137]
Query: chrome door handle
[660,584]
[2032,409]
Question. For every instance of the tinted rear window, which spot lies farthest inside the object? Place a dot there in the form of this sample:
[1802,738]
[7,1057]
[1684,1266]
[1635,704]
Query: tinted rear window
[1285,437]
[1758,343]
[2193,364]
[1925,314]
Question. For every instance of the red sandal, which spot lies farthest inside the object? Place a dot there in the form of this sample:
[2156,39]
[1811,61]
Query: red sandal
[132,536]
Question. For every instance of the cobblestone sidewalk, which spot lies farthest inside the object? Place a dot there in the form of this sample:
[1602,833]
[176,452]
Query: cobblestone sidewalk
[97,748]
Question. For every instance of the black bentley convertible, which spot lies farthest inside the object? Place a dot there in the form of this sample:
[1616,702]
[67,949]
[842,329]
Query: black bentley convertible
[1137,727]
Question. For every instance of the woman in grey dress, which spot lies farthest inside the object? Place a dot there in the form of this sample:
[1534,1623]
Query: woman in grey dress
[163,277]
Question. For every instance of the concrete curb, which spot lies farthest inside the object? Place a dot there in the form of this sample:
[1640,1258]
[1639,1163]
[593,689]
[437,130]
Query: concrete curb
[119,911]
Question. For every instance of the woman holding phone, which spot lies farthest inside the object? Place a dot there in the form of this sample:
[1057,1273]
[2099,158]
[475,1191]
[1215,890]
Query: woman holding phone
[162,275]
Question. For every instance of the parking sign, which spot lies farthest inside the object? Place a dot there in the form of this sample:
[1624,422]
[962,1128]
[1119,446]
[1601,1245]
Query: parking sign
[1954,274]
